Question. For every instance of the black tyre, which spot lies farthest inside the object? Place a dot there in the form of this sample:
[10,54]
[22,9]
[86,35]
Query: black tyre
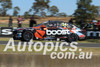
[14,35]
[72,37]
[27,36]
[15,38]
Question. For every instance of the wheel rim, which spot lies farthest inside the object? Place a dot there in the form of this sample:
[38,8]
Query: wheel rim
[27,36]
[74,38]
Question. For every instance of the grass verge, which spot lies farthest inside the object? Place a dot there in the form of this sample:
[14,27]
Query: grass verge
[94,50]
[84,41]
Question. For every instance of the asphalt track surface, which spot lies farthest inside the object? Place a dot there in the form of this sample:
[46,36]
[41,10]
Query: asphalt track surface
[96,45]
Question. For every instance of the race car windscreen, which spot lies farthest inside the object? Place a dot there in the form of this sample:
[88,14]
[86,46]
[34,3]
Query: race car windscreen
[54,24]
[39,25]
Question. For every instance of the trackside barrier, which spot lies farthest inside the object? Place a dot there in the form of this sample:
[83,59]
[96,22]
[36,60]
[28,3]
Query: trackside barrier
[93,34]
[6,32]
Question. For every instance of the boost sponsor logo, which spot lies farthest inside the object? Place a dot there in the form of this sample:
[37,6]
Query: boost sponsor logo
[57,32]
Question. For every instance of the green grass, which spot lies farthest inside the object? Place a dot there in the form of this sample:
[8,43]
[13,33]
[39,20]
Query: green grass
[84,41]
[94,50]
[90,41]
[4,39]
[14,25]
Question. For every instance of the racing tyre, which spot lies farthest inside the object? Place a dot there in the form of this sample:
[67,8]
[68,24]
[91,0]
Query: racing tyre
[27,36]
[14,35]
[14,38]
[72,37]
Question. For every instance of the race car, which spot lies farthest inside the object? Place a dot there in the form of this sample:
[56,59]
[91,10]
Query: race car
[44,31]
[80,34]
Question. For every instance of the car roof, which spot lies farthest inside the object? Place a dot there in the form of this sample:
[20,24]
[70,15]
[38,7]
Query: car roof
[55,21]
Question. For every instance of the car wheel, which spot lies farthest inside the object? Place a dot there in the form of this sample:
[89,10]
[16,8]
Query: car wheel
[27,36]
[14,38]
[72,37]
